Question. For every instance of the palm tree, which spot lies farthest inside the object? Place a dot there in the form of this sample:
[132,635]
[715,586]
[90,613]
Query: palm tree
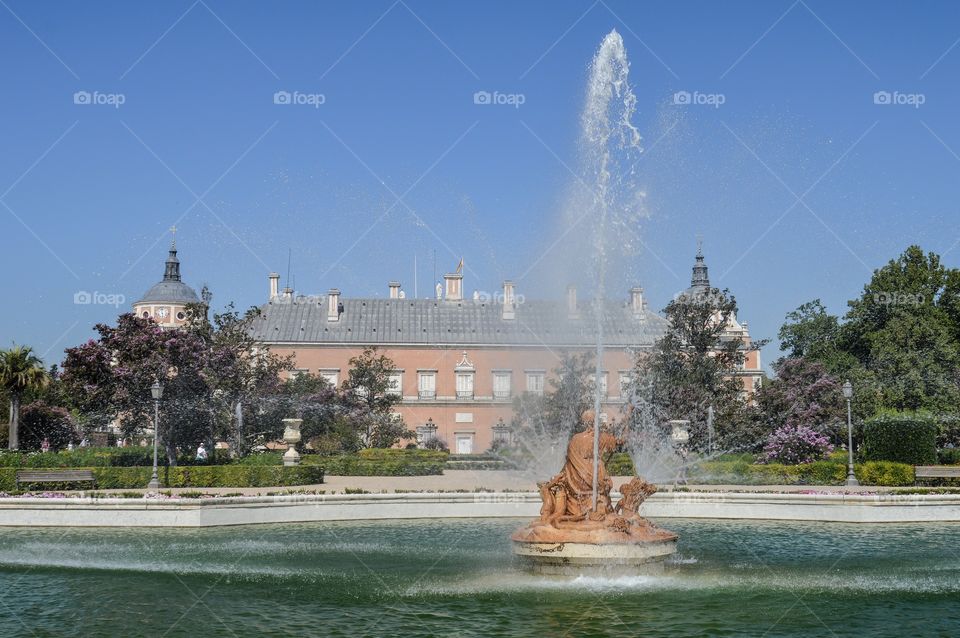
[20,372]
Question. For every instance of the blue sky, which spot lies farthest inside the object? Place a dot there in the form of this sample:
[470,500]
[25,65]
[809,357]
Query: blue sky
[799,182]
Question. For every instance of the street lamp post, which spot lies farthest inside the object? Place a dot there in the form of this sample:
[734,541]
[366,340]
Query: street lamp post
[851,477]
[680,434]
[156,390]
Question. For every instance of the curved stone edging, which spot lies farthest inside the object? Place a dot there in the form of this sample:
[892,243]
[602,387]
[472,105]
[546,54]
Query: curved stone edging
[244,510]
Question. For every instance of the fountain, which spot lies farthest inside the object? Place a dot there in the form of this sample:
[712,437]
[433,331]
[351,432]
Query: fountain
[575,534]
[579,528]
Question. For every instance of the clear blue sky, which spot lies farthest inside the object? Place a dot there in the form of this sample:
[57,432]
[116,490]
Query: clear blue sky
[87,191]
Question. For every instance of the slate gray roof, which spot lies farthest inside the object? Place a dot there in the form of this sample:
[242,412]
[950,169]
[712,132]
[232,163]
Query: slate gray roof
[170,292]
[441,322]
[171,288]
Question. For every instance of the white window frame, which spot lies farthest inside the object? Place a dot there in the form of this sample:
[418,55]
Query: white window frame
[541,381]
[395,383]
[465,384]
[624,379]
[498,384]
[427,391]
[604,386]
[331,375]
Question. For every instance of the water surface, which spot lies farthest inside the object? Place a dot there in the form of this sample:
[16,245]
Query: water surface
[457,578]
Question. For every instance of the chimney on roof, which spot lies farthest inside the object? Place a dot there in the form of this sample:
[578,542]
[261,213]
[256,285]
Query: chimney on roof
[334,307]
[394,287]
[454,286]
[572,301]
[274,285]
[288,293]
[636,300]
[509,306]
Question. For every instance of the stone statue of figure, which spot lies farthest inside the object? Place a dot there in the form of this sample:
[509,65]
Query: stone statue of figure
[568,496]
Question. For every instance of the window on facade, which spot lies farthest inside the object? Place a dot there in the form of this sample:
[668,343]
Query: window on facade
[395,383]
[624,379]
[501,385]
[464,385]
[331,376]
[602,384]
[427,385]
[296,373]
[535,381]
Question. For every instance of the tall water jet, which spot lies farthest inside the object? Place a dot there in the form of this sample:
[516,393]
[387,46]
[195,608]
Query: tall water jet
[579,527]
[608,140]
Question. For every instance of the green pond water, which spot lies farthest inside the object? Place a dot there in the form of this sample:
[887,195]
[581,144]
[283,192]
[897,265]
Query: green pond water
[457,578]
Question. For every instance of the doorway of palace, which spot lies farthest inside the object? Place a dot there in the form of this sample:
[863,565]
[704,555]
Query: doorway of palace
[464,444]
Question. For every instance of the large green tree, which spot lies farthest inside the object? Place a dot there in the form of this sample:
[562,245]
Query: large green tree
[109,379]
[899,342]
[238,371]
[693,368]
[21,372]
[368,395]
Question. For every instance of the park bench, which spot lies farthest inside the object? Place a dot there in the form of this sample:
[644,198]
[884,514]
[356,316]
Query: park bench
[936,471]
[54,476]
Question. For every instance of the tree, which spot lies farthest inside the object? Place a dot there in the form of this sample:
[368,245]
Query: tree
[559,412]
[811,332]
[802,394]
[20,372]
[693,367]
[109,379]
[368,394]
[40,421]
[238,371]
[542,424]
[304,396]
[899,343]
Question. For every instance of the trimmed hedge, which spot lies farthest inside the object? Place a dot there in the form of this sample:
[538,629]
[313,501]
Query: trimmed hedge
[198,476]
[369,462]
[877,473]
[901,437]
[90,457]
[352,465]
[620,464]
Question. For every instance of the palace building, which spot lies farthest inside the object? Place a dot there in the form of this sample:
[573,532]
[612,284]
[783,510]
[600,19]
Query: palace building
[460,362]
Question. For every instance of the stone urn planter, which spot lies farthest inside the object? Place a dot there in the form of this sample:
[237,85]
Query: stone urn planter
[291,435]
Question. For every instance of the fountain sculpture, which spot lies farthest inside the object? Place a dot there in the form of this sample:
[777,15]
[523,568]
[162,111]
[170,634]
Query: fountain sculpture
[576,533]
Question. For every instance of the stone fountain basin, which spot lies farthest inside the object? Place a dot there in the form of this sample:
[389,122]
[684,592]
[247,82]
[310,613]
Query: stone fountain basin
[548,550]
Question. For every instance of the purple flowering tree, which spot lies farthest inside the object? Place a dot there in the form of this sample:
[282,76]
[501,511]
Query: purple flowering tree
[802,394]
[796,444]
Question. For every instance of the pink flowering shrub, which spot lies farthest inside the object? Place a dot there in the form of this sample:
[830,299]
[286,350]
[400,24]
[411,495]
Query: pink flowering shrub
[796,444]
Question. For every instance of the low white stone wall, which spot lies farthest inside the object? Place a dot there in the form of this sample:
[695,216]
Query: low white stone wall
[117,512]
